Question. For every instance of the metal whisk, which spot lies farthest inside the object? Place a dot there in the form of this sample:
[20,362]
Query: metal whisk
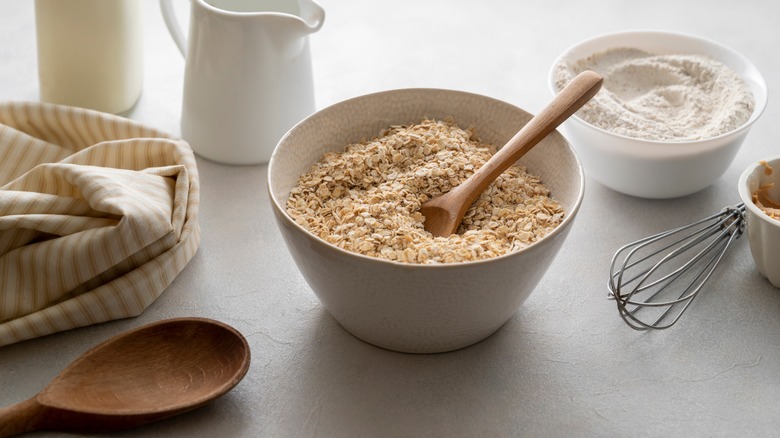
[655,279]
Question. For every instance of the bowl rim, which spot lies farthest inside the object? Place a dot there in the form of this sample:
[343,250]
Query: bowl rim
[282,212]
[759,104]
[747,197]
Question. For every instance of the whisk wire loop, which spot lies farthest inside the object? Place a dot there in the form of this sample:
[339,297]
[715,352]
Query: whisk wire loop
[652,273]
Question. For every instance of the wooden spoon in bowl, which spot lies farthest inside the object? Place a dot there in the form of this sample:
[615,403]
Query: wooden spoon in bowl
[143,375]
[444,214]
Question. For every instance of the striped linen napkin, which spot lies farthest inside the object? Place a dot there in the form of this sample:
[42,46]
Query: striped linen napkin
[98,214]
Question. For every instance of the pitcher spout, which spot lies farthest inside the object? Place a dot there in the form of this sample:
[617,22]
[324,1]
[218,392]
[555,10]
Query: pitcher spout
[312,14]
[307,15]
[292,18]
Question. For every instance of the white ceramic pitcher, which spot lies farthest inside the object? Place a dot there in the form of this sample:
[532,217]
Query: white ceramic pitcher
[247,77]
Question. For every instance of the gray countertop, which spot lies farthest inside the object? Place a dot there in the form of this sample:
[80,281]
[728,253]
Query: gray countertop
[565,364]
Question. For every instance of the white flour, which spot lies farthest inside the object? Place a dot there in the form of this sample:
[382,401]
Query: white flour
[662,97]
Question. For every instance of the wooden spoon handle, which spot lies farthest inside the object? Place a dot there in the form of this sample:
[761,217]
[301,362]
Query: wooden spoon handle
[578,92]
[20,418]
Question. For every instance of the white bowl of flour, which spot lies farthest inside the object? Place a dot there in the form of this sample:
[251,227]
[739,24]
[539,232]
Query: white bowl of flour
[672,113]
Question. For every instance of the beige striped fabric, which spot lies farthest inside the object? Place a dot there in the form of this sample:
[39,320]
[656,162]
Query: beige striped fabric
[98,214]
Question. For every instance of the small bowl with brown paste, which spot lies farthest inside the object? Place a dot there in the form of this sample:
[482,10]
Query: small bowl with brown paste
[759,188]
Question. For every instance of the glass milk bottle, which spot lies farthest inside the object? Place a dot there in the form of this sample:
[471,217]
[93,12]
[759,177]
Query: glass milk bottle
[90,53]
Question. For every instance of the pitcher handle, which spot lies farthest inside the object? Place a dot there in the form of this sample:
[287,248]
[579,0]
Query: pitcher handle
[166,6]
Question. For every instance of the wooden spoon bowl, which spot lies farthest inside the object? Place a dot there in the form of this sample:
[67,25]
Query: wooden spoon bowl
[143,375]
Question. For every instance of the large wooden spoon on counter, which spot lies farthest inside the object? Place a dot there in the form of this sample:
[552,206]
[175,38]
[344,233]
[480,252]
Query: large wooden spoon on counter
[143,375]
[444,214]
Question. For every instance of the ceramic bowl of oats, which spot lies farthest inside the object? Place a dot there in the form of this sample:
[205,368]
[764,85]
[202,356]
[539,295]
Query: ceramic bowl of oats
[672,113]
[346,185]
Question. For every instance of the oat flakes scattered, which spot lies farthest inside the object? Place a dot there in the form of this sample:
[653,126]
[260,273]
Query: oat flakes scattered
[367,198]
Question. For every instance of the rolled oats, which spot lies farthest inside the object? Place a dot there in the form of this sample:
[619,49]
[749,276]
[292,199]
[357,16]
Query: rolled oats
[366,199]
